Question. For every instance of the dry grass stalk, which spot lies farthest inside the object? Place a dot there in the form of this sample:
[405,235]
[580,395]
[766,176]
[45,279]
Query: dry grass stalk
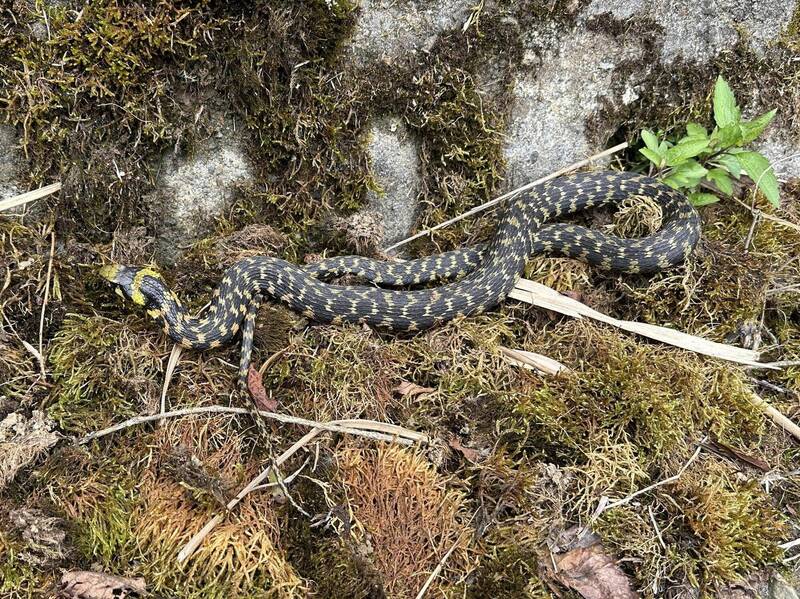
[174,357]
[545,297]
[532,360]
[44,302]
[511,194]
[198,538]
[29,196]
[366,428]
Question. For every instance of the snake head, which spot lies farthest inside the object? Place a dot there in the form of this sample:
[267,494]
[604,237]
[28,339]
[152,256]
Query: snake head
[142,285]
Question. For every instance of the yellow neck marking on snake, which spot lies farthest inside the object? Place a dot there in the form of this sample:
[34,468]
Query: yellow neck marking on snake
[136,287]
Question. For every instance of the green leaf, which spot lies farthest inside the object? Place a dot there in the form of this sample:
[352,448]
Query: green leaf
[726,112]
[759,170]
[752,129]
[687,148]
[698,199]
[725,137]
[721,179]
[686,175]
[650,140]
[695,130]
[653,157]
[731,164]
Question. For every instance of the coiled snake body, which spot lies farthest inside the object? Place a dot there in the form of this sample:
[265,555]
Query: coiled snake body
[485,274]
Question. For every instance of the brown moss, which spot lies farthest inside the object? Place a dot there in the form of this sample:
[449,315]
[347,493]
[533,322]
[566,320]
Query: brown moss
[405,515]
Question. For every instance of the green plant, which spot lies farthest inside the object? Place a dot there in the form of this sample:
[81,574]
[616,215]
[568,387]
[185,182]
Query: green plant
[703,164]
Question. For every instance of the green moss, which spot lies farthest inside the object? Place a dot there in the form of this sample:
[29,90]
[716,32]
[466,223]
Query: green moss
[18,579]
[642,393]
[102,371]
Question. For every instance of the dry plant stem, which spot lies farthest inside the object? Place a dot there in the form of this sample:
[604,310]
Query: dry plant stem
[366,428]
[550,299]
[44,301]
[770,217]
[509,195]
[531,360]
[441,563]
[789,545]
[604,505]
[174,356]
[776,417]
[29,196]
[195,541]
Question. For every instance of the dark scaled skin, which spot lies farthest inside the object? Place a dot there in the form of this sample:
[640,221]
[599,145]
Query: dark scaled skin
[484,275]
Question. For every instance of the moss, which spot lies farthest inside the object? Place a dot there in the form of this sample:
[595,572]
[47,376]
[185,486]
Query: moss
[619,387]
[102,370]
[18,579]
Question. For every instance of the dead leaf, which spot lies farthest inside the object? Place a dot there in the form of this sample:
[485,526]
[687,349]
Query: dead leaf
[79,584]
[256,388]
[732,452]
[593,574]
[407,389]
[471,454]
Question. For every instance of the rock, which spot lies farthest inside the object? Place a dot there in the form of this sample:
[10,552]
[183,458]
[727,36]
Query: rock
[44,537]
[546,129]
[10,163]
[395,164]
[193,190]
[780,589]
[698,31]
[388,30]
[783,154]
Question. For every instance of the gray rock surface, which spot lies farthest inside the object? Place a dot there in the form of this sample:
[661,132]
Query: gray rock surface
[388,29]
[780,589]
[192,190]
[10,163]
[697,30]
[395,163]
[782,152]
[552,103]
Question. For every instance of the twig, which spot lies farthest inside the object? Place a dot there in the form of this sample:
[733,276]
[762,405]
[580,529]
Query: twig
[366,428]
[44,301]
[655,526]
[775,415]
[174,356]
[28,196]
[195,541]
[442,561]
[789,545]
[510,194]
[770,217]
[605,505]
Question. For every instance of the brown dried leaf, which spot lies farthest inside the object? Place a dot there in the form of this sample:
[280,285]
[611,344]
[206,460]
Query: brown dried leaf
[79,584]
[593,574]
[256,388]
[407,389]
[471,454]
[732,452]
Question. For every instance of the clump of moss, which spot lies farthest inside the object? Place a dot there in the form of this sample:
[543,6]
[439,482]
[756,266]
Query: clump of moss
[117,67]
[102,370]
[620,387]
[405,516]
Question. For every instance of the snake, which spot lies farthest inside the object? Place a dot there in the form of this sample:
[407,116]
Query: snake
[399,295]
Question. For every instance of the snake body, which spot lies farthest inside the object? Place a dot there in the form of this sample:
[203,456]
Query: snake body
[483,275]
